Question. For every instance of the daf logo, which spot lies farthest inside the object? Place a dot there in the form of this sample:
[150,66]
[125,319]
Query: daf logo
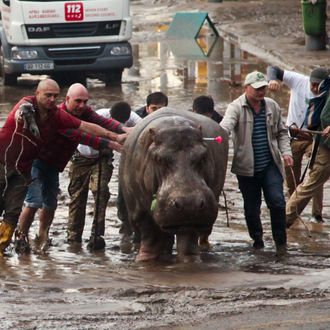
[110,26]
[38,29]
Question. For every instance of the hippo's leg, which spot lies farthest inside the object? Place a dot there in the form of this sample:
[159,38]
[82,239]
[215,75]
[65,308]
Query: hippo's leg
[156,249]
[204,243]
[187,247]
[154,242]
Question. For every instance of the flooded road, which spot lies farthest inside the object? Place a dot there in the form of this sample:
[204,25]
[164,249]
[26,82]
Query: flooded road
[71,288]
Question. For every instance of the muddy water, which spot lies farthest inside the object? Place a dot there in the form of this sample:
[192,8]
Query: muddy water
[71,288]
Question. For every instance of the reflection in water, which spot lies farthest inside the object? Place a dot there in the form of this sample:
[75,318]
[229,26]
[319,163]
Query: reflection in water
[173,67]
[69,277]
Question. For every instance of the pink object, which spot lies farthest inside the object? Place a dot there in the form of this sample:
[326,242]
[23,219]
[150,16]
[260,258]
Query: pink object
[217,139]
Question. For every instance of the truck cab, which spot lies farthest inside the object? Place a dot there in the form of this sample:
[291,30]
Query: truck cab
[65,37]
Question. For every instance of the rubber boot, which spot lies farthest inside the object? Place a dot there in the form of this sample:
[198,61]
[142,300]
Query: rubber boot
[6,233]
[96,243]
[278,222]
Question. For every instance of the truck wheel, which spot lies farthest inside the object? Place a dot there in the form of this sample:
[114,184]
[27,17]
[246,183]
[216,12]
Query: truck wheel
[8,79]
[69,78]
[113,77]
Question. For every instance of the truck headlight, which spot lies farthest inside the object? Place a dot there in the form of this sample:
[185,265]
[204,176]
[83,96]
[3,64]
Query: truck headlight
[120,50]
[27,54]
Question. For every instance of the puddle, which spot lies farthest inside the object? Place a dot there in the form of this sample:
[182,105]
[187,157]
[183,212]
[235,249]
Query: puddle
[57,289]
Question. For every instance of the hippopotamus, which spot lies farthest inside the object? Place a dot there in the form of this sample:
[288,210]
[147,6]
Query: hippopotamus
[171,179]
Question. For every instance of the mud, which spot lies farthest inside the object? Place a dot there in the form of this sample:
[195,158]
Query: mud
[233,287]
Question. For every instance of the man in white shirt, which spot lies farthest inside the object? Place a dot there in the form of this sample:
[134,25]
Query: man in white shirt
[85,168]
[302,88]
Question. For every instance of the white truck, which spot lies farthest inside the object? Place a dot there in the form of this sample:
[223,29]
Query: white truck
[65,37]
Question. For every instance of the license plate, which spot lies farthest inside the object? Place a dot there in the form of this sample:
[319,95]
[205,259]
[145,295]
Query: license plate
[39,66]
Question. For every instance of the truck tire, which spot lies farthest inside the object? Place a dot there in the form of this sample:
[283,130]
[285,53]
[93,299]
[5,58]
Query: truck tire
[113,77]
[69,78]
[8,79]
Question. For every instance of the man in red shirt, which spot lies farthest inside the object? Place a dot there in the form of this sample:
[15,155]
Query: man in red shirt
[52,159]
[33,122]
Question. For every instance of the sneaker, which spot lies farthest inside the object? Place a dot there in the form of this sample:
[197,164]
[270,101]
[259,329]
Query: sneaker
[258,244]
[317,218]
[96,243]
[21,243]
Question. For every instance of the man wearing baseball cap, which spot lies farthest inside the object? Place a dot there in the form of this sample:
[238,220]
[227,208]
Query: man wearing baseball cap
[302,89]
[261,146]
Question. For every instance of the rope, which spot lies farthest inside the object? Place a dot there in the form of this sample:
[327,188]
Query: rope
[6,165]
[226,207]
[19,155]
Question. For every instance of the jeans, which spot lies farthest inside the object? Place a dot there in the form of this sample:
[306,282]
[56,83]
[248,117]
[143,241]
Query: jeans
[270,182]
[43,191]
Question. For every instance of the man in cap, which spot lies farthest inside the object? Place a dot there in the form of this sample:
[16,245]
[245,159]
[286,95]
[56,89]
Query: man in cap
[303,88]
[260,147]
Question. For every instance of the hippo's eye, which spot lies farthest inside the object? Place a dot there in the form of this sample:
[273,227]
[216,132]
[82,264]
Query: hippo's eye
[200,159]
[163,160]
[158,159]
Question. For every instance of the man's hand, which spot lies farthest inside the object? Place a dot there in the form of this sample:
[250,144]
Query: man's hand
[128,129]
[115,146]
[288,160]
[18,116]
[274,85]
[121,138]
[24,109]
[326,131]
[111,136]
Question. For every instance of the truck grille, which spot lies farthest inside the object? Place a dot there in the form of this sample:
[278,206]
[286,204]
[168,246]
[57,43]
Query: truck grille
[74,51]
[72,30]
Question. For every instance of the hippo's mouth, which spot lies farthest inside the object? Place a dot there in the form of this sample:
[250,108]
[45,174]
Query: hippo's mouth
[186,228]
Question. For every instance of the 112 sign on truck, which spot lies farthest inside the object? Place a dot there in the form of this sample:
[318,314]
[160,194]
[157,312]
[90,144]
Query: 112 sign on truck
[65,38]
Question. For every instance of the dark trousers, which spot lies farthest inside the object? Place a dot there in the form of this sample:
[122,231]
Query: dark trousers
[270,183]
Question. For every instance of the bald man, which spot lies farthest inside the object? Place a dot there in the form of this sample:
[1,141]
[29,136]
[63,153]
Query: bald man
[54,156]
[33,122]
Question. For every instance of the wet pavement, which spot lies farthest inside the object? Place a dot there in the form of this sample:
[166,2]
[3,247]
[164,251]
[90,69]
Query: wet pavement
[233,287]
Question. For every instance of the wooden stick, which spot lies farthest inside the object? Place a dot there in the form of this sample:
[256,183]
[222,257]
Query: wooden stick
[310,131]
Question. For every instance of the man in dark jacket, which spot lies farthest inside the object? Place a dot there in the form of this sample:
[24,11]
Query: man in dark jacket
[155,101]
[204,105]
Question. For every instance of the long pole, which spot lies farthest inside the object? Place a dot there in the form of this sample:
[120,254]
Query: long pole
[97,198]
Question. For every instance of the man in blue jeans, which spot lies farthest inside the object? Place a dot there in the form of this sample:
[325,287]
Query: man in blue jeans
[260,143]
[52,159]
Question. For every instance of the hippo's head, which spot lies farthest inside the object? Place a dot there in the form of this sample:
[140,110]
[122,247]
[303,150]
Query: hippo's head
[183,168]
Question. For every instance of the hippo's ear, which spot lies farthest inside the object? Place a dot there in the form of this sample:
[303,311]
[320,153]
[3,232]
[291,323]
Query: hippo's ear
[150,137]
[199,127]
[152,134]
